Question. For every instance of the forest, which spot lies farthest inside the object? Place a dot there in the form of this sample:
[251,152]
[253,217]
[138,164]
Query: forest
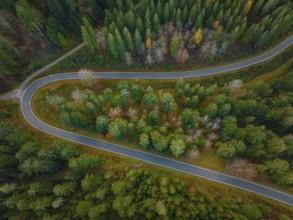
[238,123]
[31,32]
[77,186]
[249,125]
[133,34]
[187,31]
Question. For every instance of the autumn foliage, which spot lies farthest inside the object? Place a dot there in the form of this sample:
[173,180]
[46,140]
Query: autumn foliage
[148,43]
[198,36]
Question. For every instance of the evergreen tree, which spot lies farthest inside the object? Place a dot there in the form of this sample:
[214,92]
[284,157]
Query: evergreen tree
[138,42]
[89,35]
[139,25]
[29,15]
[198,23]
[156,23]
[112,46]
[120,21]
[218,34]
[131,21]
[62,40]
[120,45]
[166,13]
[148,34]
[109,18]
[128,39]
[147,21]
[159,11]
[174,45]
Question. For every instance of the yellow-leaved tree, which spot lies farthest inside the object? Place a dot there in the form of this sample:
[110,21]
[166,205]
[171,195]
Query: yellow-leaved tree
[198,36]
[247,7]
[148,43]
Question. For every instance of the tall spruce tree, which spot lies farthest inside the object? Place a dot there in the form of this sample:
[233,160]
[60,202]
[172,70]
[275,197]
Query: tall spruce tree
[89,35]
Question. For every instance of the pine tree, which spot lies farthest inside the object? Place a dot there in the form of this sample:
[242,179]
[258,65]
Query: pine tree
[109,18]
[218,34]
[120,5]
[208,8]
[112,27]
[120,21]
[139,25]
[166,13]
[198,23]
[159,11]
[112,46]
[174,45]
[138,42]
[28,15]
[210,22]
[220,17]
[56,9]
[191,16]
[236,32]
[227,15]
[178,17]
[147,21]
[131,21]
[270,4]
[120,45]
[249,34]
[62,40]
[148,34]
[184,15]
[256,7]
[128,39]
[89,35]
[156,23]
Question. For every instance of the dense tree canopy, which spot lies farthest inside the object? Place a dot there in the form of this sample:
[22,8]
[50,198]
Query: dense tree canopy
[253,123]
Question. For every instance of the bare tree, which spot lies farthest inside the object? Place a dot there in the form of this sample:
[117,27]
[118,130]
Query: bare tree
[114,112]
[193,154]
[77,95]
[131,112]
[128,59]
[55,101]
[101,40]
[182,56]
[235,85]
[86,77]
[241,168]
[149,59]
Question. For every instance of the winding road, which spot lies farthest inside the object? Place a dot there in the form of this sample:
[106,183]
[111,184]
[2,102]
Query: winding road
[31,118]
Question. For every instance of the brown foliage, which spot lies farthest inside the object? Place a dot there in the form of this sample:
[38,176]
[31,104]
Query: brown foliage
[182,56]
[109,136]
[148,43]
[216,24]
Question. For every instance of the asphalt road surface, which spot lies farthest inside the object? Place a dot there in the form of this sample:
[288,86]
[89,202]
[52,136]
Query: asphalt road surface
[148,157]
